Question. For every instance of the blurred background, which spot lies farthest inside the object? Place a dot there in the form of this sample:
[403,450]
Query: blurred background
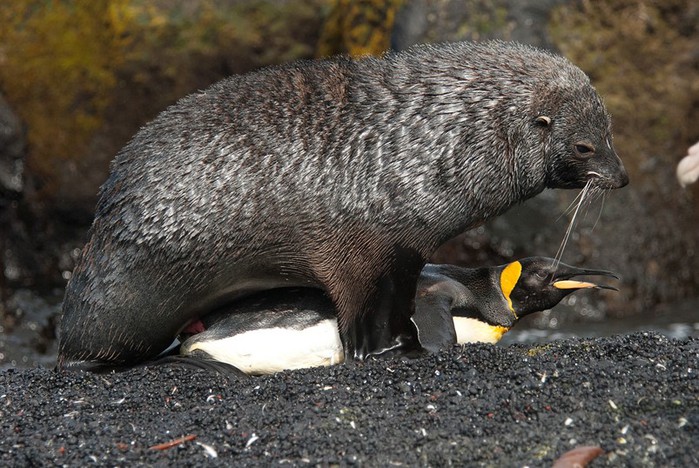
[78,78]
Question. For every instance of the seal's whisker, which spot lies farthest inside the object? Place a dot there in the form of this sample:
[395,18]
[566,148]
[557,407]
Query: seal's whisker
[594,193]
[572,206]
[581,198]
[601,207]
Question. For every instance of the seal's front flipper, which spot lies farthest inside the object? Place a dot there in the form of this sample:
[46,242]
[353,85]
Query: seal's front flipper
[385,329]
[372,336]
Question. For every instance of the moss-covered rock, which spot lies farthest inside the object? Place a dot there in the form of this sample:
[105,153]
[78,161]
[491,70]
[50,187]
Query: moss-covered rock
[83,76]
[358,27]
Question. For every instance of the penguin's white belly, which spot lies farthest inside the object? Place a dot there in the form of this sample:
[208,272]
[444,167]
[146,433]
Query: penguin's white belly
[270,350]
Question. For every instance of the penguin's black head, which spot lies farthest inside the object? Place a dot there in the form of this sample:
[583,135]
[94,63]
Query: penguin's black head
[537,283]
[578,130]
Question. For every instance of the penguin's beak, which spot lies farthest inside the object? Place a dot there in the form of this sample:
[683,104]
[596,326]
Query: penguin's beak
[563,279]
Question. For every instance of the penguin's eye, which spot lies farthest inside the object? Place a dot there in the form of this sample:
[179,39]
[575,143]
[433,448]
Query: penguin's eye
[584,150]
[540,275]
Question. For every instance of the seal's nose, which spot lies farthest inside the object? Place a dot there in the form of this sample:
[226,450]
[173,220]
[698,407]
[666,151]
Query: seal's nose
[621,178]
[611,170]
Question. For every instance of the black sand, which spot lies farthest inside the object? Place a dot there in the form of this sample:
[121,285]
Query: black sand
[637,396]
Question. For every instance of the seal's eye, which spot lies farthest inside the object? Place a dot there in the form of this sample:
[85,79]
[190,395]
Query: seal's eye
[584,150]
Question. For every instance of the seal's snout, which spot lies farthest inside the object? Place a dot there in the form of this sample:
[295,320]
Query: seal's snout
[620,178]
[608,172]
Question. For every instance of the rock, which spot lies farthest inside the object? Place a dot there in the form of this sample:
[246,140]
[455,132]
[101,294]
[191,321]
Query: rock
[12,146]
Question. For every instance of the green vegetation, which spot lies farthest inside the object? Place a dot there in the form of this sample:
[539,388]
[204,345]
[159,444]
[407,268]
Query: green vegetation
[67,67]
[358,27]
[57,70]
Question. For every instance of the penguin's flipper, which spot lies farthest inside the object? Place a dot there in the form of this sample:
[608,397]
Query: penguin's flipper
[199,360]
[434,322]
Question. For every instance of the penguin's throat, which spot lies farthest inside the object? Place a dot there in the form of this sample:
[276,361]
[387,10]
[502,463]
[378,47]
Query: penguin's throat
[470,330]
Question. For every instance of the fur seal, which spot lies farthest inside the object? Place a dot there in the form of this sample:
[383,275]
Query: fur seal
[297,328]
[340,174]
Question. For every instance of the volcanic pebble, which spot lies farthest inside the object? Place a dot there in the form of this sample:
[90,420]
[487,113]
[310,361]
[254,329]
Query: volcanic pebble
[636,396]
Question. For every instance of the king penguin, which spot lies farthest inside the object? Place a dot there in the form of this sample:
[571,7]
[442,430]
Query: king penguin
[296,328]
[471,305]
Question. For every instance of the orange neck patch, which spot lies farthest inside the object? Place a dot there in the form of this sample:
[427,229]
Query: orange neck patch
[508,279]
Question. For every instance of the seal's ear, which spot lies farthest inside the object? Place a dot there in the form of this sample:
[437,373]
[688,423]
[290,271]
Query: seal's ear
[543,120]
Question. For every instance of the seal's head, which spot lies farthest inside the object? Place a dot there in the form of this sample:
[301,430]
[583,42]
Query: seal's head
[577,129]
